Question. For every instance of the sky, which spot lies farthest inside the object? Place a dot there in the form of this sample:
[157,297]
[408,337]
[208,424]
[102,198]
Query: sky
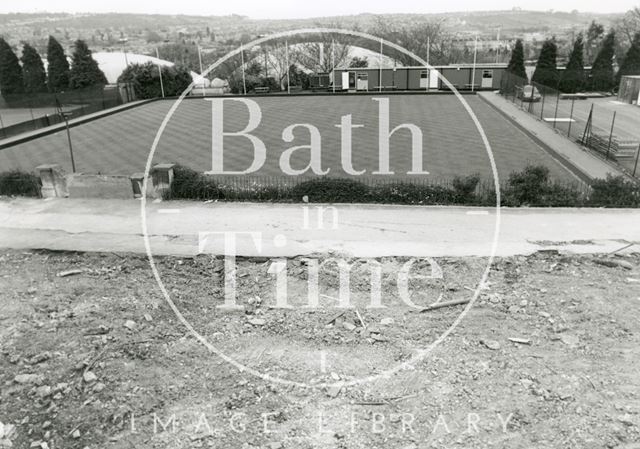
[288,9]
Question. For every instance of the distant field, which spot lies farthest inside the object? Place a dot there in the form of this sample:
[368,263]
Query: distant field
[119,144]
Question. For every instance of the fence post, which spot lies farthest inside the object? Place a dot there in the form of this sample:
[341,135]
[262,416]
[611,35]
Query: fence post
[635,167]
[4,132]
[555,115]
[587,127]
[66,122]
[530,111]
[573,102]
[33,119]
[613,121]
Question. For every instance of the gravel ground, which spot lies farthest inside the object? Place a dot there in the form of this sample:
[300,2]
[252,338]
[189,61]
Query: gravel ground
[95,358]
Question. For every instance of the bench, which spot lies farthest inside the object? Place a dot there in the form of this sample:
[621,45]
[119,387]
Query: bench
[385,87]
[295,88]
[262,90]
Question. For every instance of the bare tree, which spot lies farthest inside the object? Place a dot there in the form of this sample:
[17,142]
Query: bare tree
[429,40]
[279,62]
[629,24]
[626,27]
[324,56]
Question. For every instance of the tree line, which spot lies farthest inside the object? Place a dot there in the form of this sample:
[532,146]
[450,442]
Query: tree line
[574,78]
[27,74]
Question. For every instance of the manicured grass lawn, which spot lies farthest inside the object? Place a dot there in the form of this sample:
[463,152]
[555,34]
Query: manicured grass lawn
[119,144]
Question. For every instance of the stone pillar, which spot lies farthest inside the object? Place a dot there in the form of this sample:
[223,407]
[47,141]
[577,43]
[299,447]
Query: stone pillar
[162,177]
[54,182]
[136,184]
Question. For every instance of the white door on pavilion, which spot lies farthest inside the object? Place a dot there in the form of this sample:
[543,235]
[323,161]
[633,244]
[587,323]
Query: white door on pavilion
[424,79]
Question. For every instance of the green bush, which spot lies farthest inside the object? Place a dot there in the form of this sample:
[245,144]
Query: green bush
[614,191]
[526,188]
[189,184]
[145,79]
[407,193]
[331,190]
[557,195]
[19,184]
[464,189]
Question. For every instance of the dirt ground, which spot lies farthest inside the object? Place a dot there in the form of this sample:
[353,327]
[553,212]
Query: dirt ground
[95,358]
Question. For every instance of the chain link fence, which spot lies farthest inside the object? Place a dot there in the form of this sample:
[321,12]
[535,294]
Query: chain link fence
[581,118]
[21,113]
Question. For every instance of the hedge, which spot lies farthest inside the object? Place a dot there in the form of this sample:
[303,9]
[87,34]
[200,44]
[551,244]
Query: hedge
[529,187]
[16,183]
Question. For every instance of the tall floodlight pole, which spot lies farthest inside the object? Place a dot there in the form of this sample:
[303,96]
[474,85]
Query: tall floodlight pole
[160,72]
[380,72]
[244,83]
[333,64]
[475,59]
[124,50]
[286,50]
[201,77]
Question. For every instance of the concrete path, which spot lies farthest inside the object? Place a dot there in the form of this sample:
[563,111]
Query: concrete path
[565,149]
[187,228]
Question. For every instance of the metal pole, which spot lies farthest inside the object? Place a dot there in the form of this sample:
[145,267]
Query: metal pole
[66,123]
[333,63]
[266,63]
[160,73]
[585,136]
[380,70]
[636,164]
[555,116]
[544,92]
[244,83]
[613,121]
[286,49]
[475,58]
[200,61]
[573,101]
[428,49]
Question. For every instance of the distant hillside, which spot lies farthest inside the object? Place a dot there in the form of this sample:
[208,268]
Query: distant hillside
[513,20]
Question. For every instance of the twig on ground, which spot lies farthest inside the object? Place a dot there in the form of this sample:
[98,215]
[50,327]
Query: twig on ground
[440,305]
[95,359]
[620,249]
[335,317]
[364,326]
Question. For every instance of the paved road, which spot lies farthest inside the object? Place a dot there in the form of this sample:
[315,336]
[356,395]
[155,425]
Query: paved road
[363,231]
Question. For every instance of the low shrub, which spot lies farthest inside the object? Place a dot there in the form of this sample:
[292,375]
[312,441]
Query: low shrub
[17,183]
[557,195]
[464,189]
[191,185]
[406,193]
[331,190]
[614,191]
[527,187]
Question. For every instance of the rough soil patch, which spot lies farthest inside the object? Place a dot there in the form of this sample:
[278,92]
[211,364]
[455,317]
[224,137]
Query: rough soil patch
[92,357]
